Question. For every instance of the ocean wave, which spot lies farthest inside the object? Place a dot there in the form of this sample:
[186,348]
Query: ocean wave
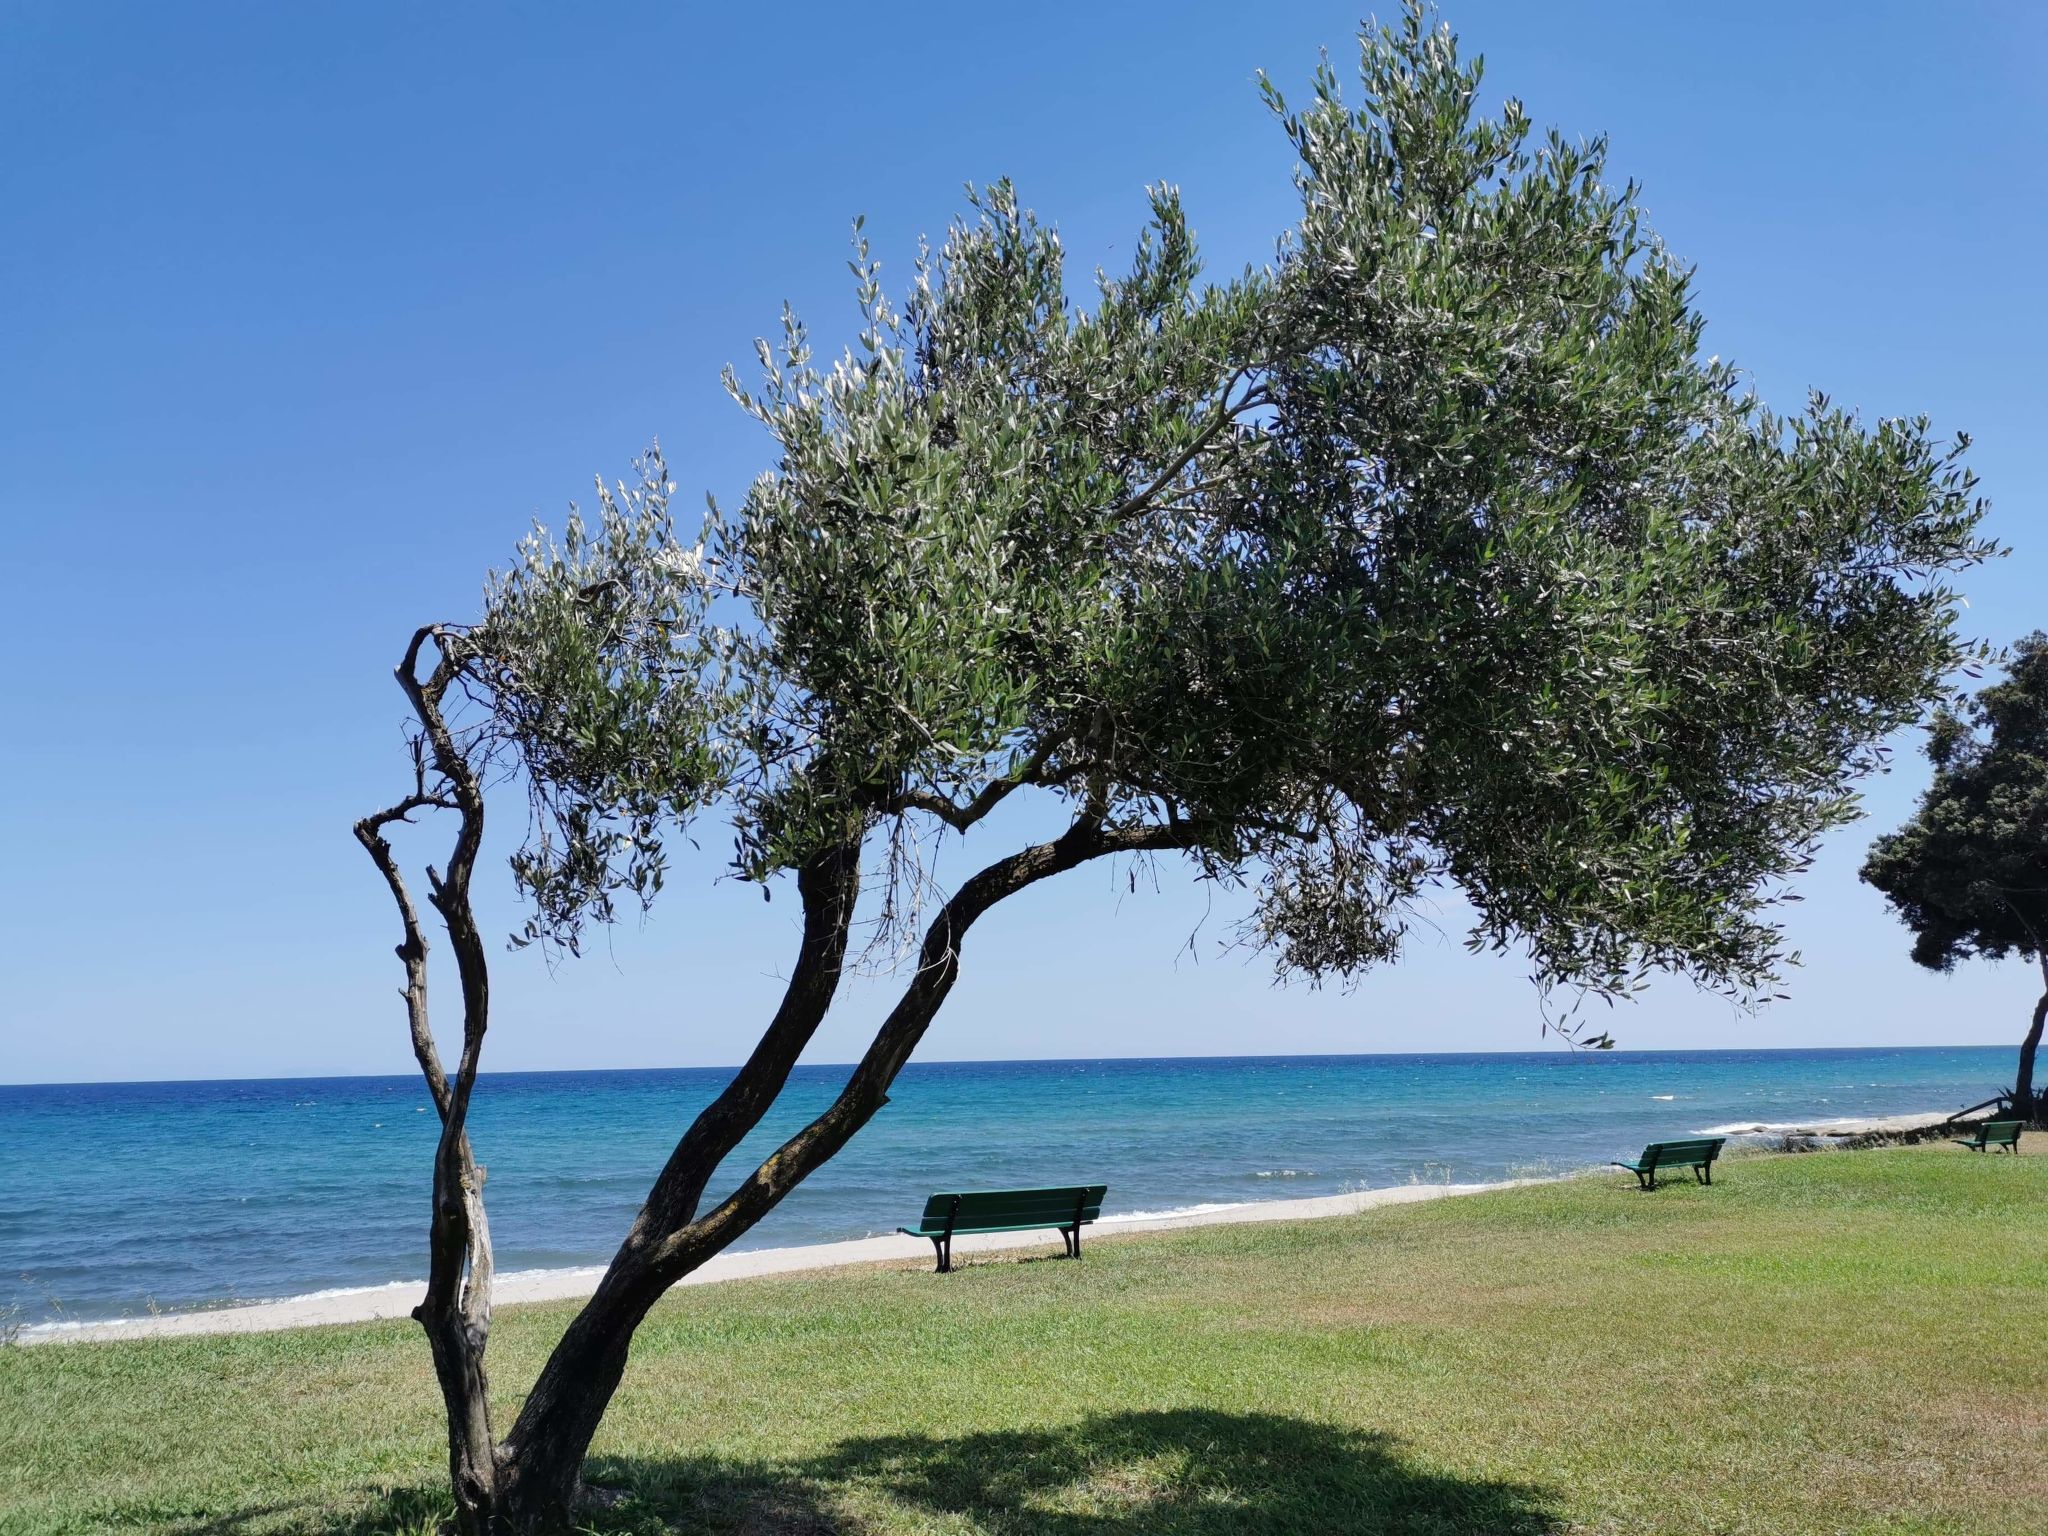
[1753,1127]
[1285,1173]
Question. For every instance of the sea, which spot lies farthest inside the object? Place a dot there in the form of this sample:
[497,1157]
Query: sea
[120,1199]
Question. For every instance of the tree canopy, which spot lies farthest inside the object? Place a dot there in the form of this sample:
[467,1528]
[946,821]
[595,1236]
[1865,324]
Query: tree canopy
[1434,551]
[1969,873]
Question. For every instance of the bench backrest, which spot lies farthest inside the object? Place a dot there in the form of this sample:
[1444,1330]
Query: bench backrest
[1683,1154]
[2001,1133]
[1014,1207]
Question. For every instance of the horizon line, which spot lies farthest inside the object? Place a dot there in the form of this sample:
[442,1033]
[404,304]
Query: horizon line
[1020,1061]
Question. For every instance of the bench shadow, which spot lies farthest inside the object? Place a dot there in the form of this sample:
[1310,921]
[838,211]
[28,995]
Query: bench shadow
[1184,1472]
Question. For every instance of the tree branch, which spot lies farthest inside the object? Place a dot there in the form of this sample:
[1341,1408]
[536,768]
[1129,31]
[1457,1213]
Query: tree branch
[961,817]
[1224,414]
[412,949]
[450,893]
[829,886]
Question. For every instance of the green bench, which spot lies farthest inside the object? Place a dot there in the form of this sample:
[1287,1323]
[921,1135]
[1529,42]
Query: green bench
[1064,1210]
[1659,1156]
[1993,1133]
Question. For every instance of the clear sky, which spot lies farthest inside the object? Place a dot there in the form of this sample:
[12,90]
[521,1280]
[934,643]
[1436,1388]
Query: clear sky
[306,311]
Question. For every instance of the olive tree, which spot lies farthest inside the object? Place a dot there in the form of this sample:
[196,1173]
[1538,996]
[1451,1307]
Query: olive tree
[1431,554]
[1969,873]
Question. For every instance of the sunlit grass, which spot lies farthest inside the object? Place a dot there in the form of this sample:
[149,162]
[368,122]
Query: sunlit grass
[1849,1342]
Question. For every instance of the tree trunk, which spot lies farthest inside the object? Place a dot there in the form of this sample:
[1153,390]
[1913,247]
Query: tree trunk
[540,1472]
[2023,1100]
[465,1395]
[458,1329]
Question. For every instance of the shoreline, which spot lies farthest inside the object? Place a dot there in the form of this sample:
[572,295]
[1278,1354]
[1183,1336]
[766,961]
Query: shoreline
[396,1299]
[1865,1125]
[381,1303]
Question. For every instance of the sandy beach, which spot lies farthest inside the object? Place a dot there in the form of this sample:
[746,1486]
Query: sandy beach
[370,1303]
[396,1300]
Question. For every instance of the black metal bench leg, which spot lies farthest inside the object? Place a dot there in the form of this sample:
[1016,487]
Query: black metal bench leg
[939,1253]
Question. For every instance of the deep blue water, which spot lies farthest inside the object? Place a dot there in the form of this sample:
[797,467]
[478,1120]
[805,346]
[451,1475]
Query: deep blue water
[114,1197]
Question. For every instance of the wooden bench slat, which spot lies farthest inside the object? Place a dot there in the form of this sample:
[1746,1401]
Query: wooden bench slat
[938,1229]
[979,1204]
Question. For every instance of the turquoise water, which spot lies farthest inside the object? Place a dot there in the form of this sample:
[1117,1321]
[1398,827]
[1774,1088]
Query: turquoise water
[118,1197]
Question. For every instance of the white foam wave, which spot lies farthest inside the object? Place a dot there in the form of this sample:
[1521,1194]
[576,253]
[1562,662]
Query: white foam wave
[1751,1128]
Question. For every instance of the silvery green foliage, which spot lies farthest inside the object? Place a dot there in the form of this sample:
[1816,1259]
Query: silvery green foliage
[1434,552]
[600,664]
[970,512]
[1608,639]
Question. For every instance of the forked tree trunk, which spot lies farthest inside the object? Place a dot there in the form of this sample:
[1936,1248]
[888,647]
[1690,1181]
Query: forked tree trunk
[539,1464]
[456,1311]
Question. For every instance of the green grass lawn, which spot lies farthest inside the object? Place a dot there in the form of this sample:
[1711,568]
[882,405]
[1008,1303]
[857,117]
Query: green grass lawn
[1850,1342]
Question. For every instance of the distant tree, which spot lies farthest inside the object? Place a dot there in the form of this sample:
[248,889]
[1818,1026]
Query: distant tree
[1432,554]
[1969,873]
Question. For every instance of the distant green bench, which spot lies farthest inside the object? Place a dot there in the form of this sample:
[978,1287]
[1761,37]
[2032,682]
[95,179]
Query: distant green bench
[1659,1156]
[1993,1133]
[1064,1211]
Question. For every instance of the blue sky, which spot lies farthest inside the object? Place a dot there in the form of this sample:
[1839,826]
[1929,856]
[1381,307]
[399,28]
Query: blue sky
[307,311]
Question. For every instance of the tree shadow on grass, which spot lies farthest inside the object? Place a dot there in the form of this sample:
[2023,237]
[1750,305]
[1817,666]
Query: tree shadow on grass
[1187,1472]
